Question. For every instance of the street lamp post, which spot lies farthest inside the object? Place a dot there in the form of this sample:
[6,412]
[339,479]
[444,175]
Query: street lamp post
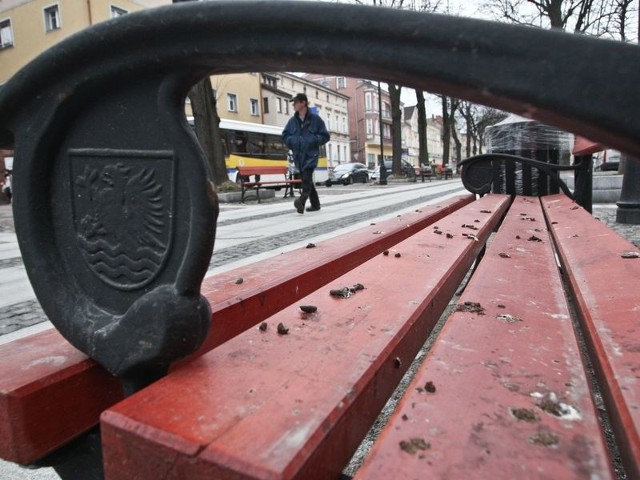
[383,169]
[629,204]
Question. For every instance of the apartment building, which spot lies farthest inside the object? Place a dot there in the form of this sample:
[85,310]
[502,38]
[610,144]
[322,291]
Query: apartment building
[364,117]
[237,97]
[276,106]
[410,136]
[29,27]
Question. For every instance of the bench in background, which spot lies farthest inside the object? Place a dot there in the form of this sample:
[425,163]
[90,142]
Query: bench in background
[245,174]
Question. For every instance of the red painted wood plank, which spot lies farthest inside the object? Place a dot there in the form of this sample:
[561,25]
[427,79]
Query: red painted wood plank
[268,286]
[604,286]
[49,392]
[264,405]
[502,394]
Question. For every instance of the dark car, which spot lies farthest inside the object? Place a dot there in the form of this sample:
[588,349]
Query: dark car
[347,173]
[609,167]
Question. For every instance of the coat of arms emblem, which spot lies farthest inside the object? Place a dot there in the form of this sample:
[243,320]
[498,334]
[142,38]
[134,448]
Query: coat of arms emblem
[122,214]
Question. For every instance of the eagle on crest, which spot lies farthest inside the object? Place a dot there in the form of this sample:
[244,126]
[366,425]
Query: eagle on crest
[122,231]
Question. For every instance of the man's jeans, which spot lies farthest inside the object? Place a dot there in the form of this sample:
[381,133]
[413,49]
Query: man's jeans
[309,189]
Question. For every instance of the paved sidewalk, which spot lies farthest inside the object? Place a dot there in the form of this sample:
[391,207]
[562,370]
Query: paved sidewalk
[606,212]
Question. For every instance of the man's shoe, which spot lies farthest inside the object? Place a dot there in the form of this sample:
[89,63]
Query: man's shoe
[313,209]
[299,205]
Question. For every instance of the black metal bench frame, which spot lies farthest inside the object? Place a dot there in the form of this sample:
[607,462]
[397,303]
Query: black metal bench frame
[92,118]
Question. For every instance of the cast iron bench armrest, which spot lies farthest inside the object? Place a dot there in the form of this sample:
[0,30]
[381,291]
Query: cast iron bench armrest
[482,174]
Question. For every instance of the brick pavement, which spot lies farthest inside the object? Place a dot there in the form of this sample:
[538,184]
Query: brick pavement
[607,214]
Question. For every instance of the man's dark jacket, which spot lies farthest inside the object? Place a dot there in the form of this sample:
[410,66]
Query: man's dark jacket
[305,139]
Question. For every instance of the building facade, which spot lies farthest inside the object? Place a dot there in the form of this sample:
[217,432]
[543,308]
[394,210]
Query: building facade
[410,136]
[276,106]
[29,27]
[364,117]
[238,96]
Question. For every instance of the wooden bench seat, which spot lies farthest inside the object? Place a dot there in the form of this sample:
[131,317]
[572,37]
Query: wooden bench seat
[265,405]
[509,372]
[45,366]
[245,173]
[604,288]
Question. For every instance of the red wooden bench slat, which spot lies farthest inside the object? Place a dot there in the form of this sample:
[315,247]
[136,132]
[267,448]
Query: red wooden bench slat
[492,372]
[39,403]
[296,406]
[605,289]
[267,287]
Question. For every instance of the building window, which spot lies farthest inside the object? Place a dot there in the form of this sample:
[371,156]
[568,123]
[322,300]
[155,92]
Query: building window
[367,102]
[329,122]
[345,153]
[337,123]
[369,126]
[341,82]
[117,11]
[317,94]
[286,107]
[51,18]
[279,105]
[253,104]
[265,105]
[6,34]
[344,124]
[232,102]
[371,159]
[338,152]
[327,97]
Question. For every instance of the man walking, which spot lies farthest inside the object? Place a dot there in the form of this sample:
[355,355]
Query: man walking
[304,134]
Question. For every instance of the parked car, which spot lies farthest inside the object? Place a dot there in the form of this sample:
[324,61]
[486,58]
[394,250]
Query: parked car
[607,160]
[609,167]
[347,173]
[407,170]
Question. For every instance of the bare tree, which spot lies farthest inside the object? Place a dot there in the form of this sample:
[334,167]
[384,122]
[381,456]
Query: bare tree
[207,128]
[609,18]
[396,128]
[395,90]
[477,118]
[449,108]
[423,145]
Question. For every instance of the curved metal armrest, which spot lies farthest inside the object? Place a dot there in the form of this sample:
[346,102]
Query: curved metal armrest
[478,172]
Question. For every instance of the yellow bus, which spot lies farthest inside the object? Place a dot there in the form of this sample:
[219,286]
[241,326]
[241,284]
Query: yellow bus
[254,145]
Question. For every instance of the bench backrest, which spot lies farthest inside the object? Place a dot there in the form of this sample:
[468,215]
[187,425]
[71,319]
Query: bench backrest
[246,171]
